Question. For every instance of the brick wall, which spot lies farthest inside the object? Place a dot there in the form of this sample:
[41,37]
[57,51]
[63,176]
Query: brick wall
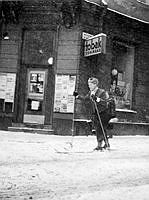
[68,51]
[9,50]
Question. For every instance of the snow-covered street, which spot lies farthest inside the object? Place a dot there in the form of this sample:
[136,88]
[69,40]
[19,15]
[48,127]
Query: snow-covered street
[47,167]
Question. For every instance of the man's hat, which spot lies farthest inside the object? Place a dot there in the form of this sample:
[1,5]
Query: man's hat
[93,80]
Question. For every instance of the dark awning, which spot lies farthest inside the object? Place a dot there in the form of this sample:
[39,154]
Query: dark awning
[137,9]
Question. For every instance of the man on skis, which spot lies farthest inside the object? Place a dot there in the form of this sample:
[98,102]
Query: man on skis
[98,98]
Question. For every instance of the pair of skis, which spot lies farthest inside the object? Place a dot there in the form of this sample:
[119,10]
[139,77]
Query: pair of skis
[103,131]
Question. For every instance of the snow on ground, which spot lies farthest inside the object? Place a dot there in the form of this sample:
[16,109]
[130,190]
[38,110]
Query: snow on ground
[44,167]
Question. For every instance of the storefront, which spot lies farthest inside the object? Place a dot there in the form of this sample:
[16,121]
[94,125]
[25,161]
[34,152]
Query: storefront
[26,64]
[8,76]
[55,48]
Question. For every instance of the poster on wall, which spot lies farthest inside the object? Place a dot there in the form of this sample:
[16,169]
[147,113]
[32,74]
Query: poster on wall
[3,78]
[7,86]
[7,91]
[64,88]
[10,87]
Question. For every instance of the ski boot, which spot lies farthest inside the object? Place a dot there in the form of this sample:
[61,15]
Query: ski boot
[99,147]
[106,147]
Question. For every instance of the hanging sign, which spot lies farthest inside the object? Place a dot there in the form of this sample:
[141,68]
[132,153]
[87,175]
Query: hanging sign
[95,45]
[86,36]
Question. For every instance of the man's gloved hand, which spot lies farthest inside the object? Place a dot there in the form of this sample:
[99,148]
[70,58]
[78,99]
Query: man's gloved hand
[94,98]
[75,94]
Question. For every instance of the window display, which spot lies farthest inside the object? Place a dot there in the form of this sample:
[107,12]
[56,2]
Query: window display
[36,85]
[121,90]
[122,81]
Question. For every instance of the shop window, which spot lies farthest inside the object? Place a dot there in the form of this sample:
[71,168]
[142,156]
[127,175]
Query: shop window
[35,91]
[7,91]
[122,75]
[36,84]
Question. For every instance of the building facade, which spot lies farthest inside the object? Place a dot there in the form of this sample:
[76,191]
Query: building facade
[55,46]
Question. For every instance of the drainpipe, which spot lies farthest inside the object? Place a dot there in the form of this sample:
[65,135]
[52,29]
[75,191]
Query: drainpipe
[102,10]
[101,20]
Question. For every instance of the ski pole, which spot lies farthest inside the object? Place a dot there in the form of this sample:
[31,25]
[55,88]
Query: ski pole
[104,135]
[73,123]
[72,127]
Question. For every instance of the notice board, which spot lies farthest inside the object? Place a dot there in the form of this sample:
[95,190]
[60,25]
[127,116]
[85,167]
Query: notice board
[64,88]
[7,91]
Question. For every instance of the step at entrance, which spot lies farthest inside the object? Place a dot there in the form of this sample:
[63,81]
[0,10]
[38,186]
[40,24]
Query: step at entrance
[31,128]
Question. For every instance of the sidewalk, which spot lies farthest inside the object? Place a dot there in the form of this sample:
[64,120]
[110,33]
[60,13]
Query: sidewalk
[47,167]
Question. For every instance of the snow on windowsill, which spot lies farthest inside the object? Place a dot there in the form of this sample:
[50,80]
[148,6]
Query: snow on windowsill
[131,123]
[126,110]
